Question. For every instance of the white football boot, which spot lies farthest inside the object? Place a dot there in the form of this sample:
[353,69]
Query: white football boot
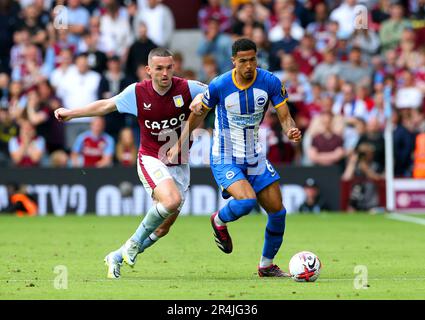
[129,252]
[114,267]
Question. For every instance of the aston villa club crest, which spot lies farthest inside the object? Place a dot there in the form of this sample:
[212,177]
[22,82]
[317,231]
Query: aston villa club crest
[178,101]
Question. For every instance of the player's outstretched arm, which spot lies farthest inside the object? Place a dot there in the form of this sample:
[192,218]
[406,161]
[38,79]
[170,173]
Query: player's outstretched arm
[288,124]
[97,108]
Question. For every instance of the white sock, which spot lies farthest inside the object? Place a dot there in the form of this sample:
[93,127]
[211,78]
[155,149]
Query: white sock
[218,221]
[265,262]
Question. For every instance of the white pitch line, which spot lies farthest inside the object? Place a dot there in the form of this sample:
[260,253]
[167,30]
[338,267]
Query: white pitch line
[207,280]
[405,218]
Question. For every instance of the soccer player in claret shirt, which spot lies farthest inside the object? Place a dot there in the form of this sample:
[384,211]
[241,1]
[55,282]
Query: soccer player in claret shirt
[240,98]
[161,105]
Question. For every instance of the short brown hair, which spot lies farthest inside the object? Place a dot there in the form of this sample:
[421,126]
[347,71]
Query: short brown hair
[159,52]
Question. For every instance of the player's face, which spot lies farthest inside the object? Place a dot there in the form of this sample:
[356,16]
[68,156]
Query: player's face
[245,63]
[161,70]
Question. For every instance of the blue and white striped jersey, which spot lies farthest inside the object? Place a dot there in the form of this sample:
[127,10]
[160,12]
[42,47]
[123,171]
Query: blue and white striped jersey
[239,112]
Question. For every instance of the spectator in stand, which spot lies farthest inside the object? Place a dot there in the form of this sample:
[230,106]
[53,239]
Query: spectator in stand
[40,112]
[141,73]
[59,159]
[319,27]
[306,56]
[17,100]
[178,64]
[77,18]
[115,25]
[345,16]
[263,47]
[287,27]
[409,95]
[367,41]
[126,151]
[93,148]
[404,143]
[159,20]
[313,201]
[418,13]
[112,83]
[21,40]
[9,21]
[355,70]
[326,147]
[391,29]
[79,87]
[310,110]
[31,21]
[139,50]
[215,9]
[209,69]
[329,66]
[8,130]
[27,149]
[96,58]
[65,67]
[29,73]
[247,16]
[381,12]
[59,43]
[217,44]
[296,82]
[378,111]
[408,56]
[285,44]
[368,158]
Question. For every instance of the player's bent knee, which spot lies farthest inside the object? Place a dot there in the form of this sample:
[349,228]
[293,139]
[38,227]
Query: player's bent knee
[173,202]
[275,207]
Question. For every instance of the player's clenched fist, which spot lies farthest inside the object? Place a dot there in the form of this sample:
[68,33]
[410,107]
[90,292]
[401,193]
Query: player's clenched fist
[294,134]
[62,114]
[196,105]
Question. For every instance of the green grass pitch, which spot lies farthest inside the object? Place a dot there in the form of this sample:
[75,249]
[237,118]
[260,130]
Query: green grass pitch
[187,264]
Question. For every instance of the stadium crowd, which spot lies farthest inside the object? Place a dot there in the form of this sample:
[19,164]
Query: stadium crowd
[70,53]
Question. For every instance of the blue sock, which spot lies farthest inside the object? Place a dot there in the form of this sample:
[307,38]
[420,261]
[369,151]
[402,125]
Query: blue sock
[275,229]
[235,209]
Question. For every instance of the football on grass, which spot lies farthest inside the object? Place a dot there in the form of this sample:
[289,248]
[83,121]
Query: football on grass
[305,267]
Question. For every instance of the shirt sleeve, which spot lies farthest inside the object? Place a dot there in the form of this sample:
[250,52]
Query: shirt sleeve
[126,100]
[211,96]
[40,144]
[196,88]
[278,94]
[78,144]
[13,145]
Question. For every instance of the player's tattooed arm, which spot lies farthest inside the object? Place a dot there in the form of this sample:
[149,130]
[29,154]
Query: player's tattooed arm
[288,124]
[97,108]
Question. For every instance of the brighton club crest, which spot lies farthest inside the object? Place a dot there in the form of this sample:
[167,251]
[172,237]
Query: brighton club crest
[178,101]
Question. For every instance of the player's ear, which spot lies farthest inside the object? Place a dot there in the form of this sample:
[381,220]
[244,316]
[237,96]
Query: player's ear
[234,61]
[148,69]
